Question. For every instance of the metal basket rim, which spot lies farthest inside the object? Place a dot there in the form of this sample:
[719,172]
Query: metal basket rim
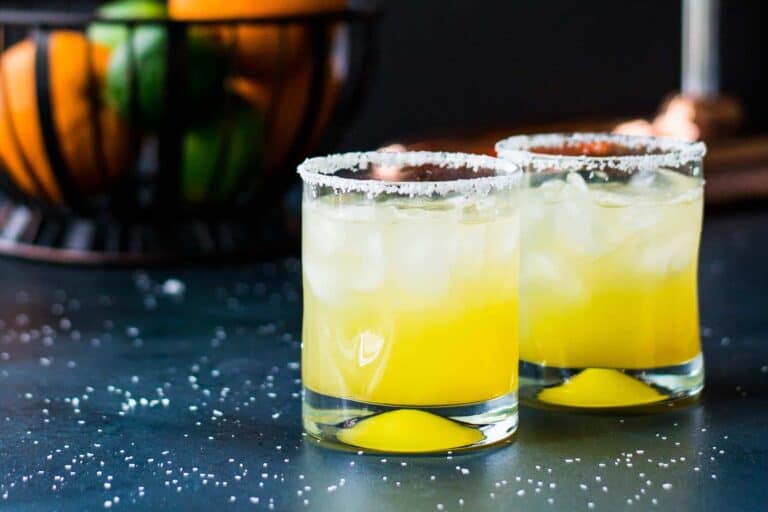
[23,17]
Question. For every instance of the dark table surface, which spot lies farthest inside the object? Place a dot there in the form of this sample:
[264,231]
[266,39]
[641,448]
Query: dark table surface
[178,389]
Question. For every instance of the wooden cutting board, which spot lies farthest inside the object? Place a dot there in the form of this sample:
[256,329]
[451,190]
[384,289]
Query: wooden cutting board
[736,169]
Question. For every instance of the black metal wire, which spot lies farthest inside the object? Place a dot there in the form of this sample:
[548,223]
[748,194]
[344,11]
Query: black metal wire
[247,187]
[315,96]
[94,112]
[19,17]
[39,190]
[123,197]
[219,174]
[174,121]
[358,82]
[67,188]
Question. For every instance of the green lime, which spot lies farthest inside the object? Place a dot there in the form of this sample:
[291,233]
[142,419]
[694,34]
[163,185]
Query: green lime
[219,153]
[112,35]
[142,59]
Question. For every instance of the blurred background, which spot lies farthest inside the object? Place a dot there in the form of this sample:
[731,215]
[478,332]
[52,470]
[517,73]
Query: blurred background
[460,66]
[126,141]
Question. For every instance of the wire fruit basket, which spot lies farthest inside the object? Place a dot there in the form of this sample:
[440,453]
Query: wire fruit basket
[166,138]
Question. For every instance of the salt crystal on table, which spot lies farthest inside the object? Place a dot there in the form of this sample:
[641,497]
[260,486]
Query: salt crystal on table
[174,287]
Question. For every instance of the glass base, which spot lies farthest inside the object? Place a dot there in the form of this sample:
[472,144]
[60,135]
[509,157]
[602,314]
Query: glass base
[352,425]
[610,388]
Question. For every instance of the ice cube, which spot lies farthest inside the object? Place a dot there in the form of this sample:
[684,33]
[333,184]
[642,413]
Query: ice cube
[472,246]
[552,190]
[323,234]
[542,271]
[664,186]
[364,265]
[343,253]
[576,219]
[321,277]
[424,255]
[670,255]
[576,181]
[634,220]
[611,198]
[504,237]
[644,180]
[479,210]
[575,225]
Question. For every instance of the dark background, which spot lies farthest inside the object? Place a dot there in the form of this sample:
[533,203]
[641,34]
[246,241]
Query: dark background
[457,66]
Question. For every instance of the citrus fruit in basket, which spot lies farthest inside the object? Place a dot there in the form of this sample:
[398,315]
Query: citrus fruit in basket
[112,35]
[143,58]
[218,153]
[260,50]
[92,141]
[287,106]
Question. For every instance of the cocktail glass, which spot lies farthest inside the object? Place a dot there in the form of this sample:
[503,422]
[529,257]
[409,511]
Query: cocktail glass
[410,300]
[610,238]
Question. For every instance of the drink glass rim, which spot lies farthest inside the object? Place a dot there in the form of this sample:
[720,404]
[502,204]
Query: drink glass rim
[319,171]
[659,152]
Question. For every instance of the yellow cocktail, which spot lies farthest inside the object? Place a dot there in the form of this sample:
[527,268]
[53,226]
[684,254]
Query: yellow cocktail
[611,230]
[410,300]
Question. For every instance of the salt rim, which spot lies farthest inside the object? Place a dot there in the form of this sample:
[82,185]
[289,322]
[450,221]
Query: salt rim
[318,171]
[674,152]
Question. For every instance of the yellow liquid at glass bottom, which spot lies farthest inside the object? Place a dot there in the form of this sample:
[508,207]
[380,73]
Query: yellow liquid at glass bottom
[608,278]
[409,431]
[600,387]
[409,307]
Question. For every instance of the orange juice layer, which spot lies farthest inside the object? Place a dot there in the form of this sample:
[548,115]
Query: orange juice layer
[641,322]
[447,353]
[608,273]
[411,306]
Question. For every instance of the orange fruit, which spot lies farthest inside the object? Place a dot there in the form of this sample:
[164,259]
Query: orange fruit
[286,106]
[260,50]
[72,60]
[212,9]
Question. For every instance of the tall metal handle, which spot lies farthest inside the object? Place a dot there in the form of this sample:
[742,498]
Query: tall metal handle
[701,48]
